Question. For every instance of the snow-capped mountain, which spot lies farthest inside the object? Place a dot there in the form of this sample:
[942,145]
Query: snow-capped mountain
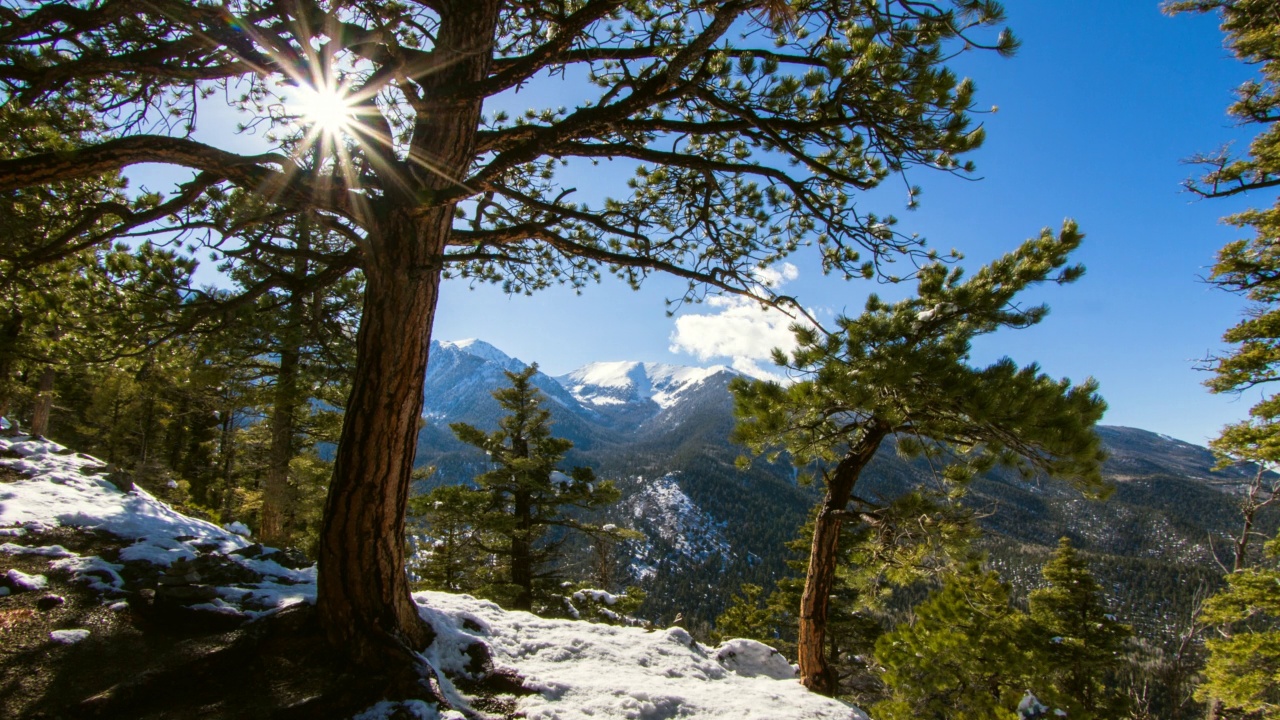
[663,433]
[608,384]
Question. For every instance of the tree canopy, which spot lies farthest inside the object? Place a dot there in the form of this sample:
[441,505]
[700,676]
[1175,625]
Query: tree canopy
[903,370]
[751,127]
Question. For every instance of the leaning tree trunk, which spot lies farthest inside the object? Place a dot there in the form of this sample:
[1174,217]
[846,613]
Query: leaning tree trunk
[815,672]
[363,596]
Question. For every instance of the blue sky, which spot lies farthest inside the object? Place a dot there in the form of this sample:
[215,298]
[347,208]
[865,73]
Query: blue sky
[1095,114]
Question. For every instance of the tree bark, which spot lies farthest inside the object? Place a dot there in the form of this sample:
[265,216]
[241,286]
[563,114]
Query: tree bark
[521,552]
[10,333]
[363,592]
[363,599]
[44,403]
[816,672]
[276,495]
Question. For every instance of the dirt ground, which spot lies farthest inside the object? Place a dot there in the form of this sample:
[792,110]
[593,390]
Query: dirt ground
[139,661]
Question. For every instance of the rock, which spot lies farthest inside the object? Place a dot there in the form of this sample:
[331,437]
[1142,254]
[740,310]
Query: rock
[292,558]
[68,637]
[185,594]
[249,551]
[49,602]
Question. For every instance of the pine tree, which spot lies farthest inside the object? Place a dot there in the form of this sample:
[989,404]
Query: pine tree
[902,370]
[754,128]
[1237,671]
[523,498]
[1079,643]
[446,553]
[959,658]
[1243,672]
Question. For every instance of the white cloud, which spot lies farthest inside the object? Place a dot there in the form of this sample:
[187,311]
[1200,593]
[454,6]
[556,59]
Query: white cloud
[740,330]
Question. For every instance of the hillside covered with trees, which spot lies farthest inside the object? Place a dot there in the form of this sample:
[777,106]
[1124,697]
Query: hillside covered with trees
[923,528]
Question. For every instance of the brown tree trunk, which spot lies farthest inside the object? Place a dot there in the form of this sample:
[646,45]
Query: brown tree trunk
[363,592]
[276,495]
[10,333]
[815,672]
[44,403]
[363,599]
[522,553]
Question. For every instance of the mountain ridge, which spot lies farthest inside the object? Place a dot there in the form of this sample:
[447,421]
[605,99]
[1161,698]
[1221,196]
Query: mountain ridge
[1168,500]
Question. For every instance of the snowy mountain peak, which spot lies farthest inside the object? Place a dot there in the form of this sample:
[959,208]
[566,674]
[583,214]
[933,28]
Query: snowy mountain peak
[484,351]
[618,383]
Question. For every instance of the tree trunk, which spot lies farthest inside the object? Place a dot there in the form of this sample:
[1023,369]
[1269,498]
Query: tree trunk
[815,672]
[10,333]
[363,592]
[276,495]
[522,553]
[44,403]
[363,599]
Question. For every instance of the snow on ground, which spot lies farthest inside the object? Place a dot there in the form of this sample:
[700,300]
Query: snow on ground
[65,489]
[576,669]
[586,670]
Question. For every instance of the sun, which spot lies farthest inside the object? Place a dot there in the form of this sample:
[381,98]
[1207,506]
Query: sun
[327,109]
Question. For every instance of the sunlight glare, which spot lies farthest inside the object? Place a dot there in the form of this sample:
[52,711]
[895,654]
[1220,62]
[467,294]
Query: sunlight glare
[328,109]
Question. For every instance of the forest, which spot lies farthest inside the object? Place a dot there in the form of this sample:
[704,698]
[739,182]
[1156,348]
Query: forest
[287,393]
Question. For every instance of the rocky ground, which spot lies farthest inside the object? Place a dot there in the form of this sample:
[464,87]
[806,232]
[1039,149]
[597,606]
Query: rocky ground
[114,605]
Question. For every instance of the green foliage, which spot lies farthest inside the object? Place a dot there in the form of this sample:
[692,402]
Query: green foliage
[903,369]
[519,513]
[583,602]
[1243,663]
[1243,670]
[1078,643]
[748,617]
[446,553]
[959,658]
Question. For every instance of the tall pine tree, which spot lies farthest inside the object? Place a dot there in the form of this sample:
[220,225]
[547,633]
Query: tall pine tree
[1079,644]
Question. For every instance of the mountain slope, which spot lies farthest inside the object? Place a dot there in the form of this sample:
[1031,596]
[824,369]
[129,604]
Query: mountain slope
[661,429]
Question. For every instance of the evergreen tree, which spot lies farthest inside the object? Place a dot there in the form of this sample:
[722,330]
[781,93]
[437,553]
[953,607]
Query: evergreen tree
[1079,643]
[1237,671]
[446,554]
[523,498]
[902,370]
[959,657]
[1243,672]
[747,145]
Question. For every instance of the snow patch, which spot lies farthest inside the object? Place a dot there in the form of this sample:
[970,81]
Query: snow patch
[23,581]
[68,637]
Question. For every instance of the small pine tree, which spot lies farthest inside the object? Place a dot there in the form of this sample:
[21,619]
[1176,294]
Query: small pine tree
[523,498]
[444,550]
[959,658]
[749,616]
[1080,645]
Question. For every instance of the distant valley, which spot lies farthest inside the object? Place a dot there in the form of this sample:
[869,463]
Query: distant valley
[661,432]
